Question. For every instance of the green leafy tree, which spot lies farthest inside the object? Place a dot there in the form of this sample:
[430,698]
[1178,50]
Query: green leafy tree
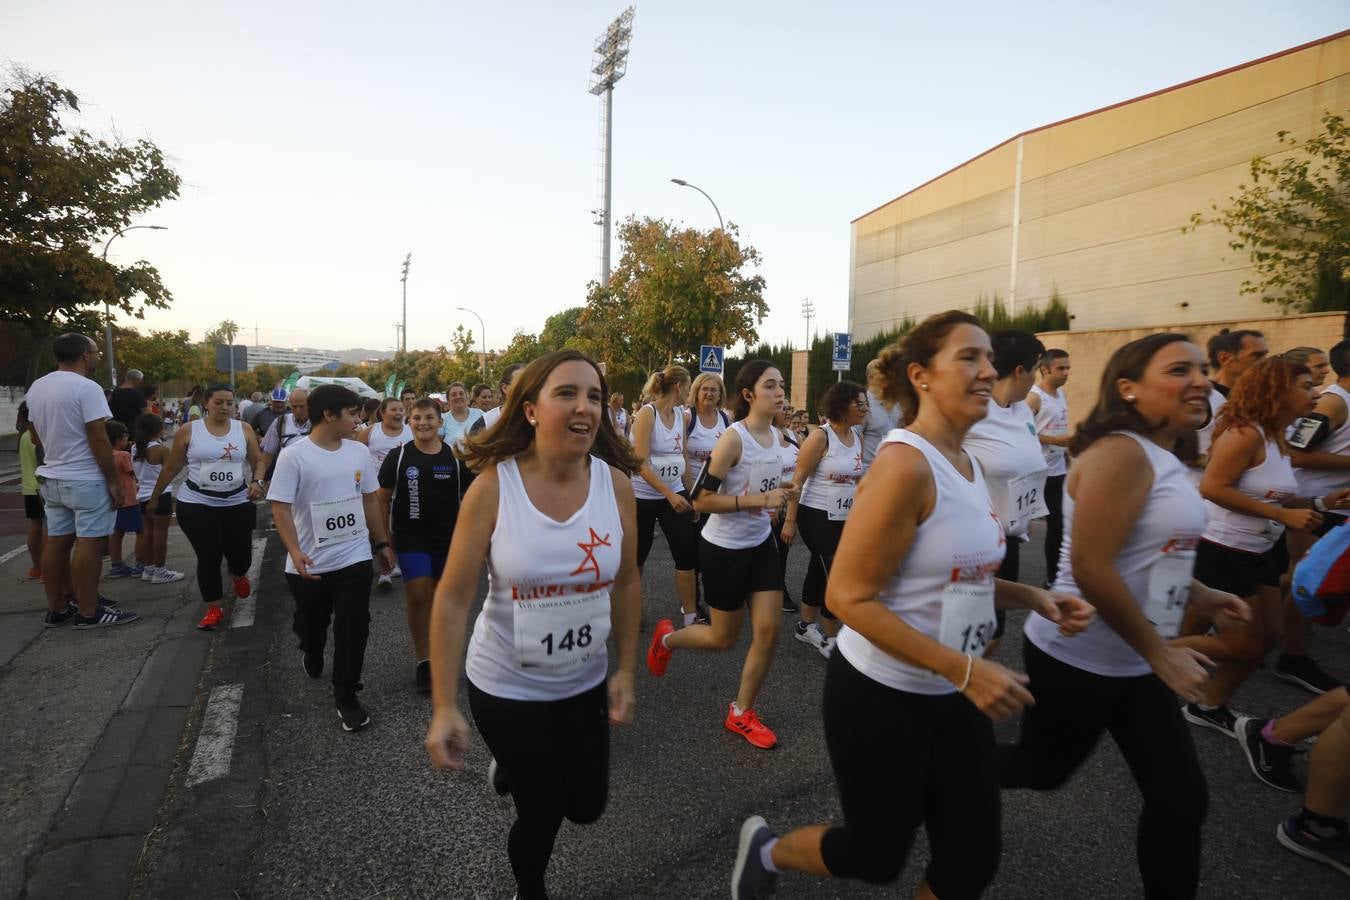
[161,355]
[564,329]
[62,195]
[1293,219]
[224,333]
[673,289]
[524,347]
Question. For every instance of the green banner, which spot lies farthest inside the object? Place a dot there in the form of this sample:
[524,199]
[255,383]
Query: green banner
[389,383]
[291,381]
[398,391]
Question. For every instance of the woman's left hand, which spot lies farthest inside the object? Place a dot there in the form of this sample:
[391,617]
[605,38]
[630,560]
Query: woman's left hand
[622,699]
[1073,614]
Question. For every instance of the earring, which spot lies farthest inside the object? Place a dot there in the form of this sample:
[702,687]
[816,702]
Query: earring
[534,421]
[1129,398]
[924,386]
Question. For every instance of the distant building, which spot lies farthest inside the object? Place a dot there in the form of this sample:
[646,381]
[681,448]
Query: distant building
[1094,206]
[302,359]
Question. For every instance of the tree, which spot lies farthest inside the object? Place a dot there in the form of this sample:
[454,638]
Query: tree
[673,289]
[564,329]
[161,355]
[524,348]
[62,195]
[224,333]
[1294,221]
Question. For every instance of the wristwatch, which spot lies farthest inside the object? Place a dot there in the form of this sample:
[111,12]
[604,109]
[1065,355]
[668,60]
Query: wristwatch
[1319,505]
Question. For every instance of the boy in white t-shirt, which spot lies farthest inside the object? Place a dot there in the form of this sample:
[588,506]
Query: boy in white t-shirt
[328,517]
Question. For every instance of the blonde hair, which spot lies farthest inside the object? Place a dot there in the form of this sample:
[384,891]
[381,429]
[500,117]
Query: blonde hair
[663,381]
[704,378]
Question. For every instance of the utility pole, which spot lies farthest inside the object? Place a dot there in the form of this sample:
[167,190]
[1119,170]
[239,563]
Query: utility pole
[407,261]
[398,331]
[610,64]
[808,311]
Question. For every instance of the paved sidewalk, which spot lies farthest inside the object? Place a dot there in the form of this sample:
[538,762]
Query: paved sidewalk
[95,719]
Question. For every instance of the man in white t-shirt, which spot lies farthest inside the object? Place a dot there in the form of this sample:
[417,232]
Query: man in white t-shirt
[284,431]
[80,485]
[327,515]
[503,389]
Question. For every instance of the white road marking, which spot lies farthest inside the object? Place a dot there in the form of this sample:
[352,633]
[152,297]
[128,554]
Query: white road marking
[246,609]
[215,744]
[22,548]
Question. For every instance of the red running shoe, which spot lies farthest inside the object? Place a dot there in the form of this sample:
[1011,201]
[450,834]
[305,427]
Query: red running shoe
[242,587]
[658,654]
[34,573]
[748,726]
[214,616]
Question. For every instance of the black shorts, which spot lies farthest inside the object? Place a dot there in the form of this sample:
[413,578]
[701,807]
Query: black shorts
[1240,571]
[1329,522]
[32,507]
[163,508]
[731,576]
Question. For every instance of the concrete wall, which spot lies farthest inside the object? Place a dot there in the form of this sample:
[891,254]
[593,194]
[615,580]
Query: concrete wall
[1089,350]
[10,398]
[797,396]
[1095,206]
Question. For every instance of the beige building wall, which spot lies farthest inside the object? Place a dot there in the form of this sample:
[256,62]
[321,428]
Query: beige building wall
[1094,206]
[1089,350]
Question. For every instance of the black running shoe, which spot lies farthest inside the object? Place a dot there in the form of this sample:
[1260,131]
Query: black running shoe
[749,879]
[423,676]
[1304,672]
[1332,849]
[1220,718]
[57,619]
[105,616]
[353,715]
[313,663]
[701,615]
[788,605]
[497,778]
[1269,762]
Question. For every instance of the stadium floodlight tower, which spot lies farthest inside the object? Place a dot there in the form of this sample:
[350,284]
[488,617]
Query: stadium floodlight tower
[610,64]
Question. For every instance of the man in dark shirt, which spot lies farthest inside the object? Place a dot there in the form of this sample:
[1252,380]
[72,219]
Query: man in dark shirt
[423,481]
[127,402]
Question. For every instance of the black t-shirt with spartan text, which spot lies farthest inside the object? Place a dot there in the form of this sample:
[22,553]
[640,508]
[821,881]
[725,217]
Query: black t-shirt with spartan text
[427,490]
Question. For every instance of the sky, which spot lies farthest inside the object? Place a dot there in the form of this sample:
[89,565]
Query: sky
[320,142]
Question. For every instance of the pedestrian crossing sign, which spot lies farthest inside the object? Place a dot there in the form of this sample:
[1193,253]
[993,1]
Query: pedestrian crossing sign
[710,358]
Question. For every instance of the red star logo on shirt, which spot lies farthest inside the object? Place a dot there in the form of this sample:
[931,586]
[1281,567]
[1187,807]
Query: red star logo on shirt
[228,452]
[678,438]
[590,562]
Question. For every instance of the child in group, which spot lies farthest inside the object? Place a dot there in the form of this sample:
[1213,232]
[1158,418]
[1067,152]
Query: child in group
[128,517]
[148,453]
[29,459]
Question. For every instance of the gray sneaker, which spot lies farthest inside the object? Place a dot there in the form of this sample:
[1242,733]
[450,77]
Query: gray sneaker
[749,879]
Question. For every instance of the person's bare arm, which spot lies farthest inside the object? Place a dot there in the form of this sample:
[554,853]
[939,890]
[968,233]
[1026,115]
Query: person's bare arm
[96,432]
[290,539]
[808,457]
[1234,452]
[173,465]
[625,611]
[1333,407]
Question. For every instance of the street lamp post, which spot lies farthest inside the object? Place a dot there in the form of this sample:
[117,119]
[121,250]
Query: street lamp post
[682,183]
[482,334]
[107,309]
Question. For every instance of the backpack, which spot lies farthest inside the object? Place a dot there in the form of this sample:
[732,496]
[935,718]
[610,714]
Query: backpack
[1321,587]
[693,417]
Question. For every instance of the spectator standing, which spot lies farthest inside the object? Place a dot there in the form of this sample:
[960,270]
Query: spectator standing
[29,459]
[128,402]
[80,487]
[129,513]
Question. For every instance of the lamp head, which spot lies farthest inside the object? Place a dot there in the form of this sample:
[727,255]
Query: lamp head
[680,181]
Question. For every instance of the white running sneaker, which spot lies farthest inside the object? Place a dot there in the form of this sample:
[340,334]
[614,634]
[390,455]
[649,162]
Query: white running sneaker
[826,646]
[166,575]
[396,572]
[385,583]
[149,573]
[811,635]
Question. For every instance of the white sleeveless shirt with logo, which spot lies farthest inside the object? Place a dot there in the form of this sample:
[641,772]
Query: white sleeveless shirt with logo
[665,455]
[541,634]
[699,443]
[1270,482]
[944,587]
[1052,420]
[1005,443]
[835,478]
[217,471]
[380,443]
[147,473]
[759,471]
[1155,563]
[1320,482]
[788,453]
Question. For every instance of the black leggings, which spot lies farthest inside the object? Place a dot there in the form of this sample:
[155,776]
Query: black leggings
[1054,524]
[677,527]
[822,539]
[215,532]
[343,597]
[555,756]
[783,549]
[902,760]
[1009,570]
[1073,708]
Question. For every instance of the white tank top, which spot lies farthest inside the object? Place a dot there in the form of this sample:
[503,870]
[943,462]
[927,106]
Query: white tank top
[759,471]
[1005,443]
[1270,482]
[944,587]
[788,453]
[217,471]
[1319,482]
[380,443]
[1206,434]
[880,422]
[1052,420]
[146,473]
[1157,558]
[832,484]
[698,446]
[665,454]
[541,633]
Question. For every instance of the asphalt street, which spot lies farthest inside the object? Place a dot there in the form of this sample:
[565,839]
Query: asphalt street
[306,810]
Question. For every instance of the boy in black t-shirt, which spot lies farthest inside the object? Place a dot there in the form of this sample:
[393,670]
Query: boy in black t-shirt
[422,483]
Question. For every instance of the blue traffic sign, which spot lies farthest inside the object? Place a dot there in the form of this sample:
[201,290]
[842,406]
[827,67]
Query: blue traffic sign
[710,358]
[843,351]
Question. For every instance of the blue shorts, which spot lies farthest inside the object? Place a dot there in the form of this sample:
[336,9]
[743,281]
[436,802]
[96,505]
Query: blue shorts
[421,565]
[129,520]
[81,508]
